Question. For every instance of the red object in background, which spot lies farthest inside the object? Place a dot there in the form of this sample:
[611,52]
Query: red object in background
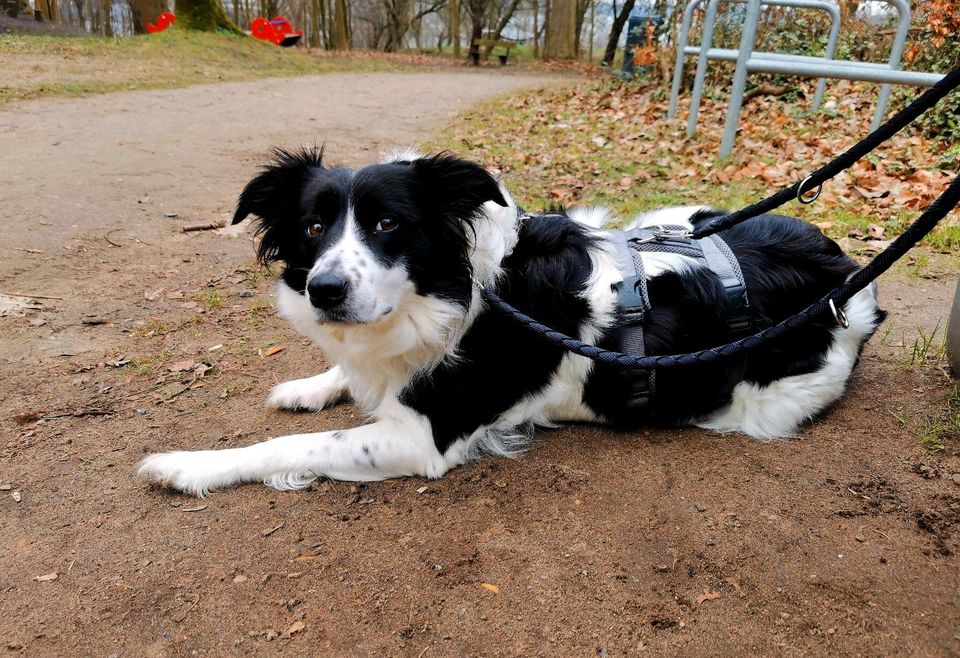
[164,20]
[277,31]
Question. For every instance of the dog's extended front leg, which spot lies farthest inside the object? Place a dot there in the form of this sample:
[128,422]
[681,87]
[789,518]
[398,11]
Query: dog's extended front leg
[311,393]
[394,447]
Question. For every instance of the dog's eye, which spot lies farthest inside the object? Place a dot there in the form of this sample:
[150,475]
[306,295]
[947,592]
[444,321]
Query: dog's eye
[386,225]
[314,230]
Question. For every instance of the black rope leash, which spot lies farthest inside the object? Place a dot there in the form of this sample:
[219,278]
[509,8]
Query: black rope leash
[845,160]
[832,302]
[860,280]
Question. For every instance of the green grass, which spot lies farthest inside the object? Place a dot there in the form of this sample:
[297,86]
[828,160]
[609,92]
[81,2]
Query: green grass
[940,427]
[927,348]
[210,299]
[36,66]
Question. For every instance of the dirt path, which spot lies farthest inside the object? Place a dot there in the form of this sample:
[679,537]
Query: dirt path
[678,542]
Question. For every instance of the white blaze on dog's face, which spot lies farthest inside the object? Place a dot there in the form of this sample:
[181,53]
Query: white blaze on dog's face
[350,281]
[357,243]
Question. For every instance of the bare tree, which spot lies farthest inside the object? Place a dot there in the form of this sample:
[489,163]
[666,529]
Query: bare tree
[561,30]
[504,20]
[455,27]
[340,37]
[615,30]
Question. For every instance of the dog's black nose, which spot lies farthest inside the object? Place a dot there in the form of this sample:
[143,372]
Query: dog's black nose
[327,290]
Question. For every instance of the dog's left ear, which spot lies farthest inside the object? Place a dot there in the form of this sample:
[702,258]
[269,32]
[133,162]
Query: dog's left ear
[459,186]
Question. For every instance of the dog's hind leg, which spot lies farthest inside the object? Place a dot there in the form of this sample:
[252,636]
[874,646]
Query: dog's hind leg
[311,393]
[399,446]
[779,408]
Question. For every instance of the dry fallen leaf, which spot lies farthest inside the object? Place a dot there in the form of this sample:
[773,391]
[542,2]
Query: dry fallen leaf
[182,366]
[707,596]
[46,578]
[490,587]
[274,350]
[270,531]
[295,627]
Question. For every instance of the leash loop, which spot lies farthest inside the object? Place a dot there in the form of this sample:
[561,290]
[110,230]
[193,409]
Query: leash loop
[839,315]
[805,197]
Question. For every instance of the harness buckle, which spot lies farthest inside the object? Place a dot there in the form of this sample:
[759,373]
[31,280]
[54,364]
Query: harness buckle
[667,232]
[632,304]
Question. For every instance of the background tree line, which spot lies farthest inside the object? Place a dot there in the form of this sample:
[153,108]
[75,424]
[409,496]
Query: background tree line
[549,28]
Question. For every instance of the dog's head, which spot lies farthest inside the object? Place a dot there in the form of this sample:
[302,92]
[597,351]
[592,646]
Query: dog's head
[356,243]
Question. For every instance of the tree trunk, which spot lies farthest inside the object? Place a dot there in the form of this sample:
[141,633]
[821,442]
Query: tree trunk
[615,31]
[593,23]
[204,15]
[455,27]
[536,29]
[581,15]
[145,11]
[107,18]
[561,29]
[340,35]
[44,9]
[478,10]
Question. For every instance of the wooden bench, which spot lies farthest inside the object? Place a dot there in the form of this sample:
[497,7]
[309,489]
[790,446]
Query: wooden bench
[490,45]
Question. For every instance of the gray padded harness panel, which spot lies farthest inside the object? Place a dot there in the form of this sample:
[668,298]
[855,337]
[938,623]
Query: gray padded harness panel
[634,302]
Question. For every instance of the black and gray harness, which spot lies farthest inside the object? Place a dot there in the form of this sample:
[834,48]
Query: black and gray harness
[634,302]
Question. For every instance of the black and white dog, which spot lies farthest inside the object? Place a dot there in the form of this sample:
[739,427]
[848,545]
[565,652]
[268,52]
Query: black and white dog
[383,268]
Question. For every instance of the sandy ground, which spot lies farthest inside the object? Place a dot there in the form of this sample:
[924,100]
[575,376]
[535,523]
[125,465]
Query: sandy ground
[141,337]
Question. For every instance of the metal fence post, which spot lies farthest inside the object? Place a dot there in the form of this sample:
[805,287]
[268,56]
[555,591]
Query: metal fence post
[899,43]
[749,34]
[678,65]
[708,21]
[831,51]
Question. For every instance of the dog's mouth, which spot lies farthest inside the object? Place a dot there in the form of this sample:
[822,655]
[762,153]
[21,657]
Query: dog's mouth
[347,317]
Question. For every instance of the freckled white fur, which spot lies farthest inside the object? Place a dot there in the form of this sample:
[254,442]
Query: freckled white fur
[399,443]
[374,289]
[313,393]
[376,358]
[374,361]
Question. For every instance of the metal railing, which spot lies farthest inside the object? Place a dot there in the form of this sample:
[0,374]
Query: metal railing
[748,61]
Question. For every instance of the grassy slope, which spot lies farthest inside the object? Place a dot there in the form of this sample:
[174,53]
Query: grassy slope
[36,66]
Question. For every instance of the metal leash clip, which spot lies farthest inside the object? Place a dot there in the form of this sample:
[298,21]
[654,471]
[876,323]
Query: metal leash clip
[803,197]
[665,233]
[839,315]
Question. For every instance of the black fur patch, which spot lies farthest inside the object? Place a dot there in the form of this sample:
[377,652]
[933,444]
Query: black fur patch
[499,362]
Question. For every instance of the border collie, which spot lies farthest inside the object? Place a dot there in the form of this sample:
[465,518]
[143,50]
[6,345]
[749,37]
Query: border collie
[383,268]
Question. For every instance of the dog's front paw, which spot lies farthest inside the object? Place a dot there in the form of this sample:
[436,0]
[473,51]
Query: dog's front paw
[190,472]
[310,394]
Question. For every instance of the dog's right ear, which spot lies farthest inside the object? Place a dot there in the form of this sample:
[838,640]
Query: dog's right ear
[275,194]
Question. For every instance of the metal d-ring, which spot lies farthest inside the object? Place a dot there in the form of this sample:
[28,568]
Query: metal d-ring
[801,195]
[839,315]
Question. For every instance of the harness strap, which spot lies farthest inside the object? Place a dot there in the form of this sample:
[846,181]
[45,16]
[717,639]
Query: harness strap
[724,264]
[633,302]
